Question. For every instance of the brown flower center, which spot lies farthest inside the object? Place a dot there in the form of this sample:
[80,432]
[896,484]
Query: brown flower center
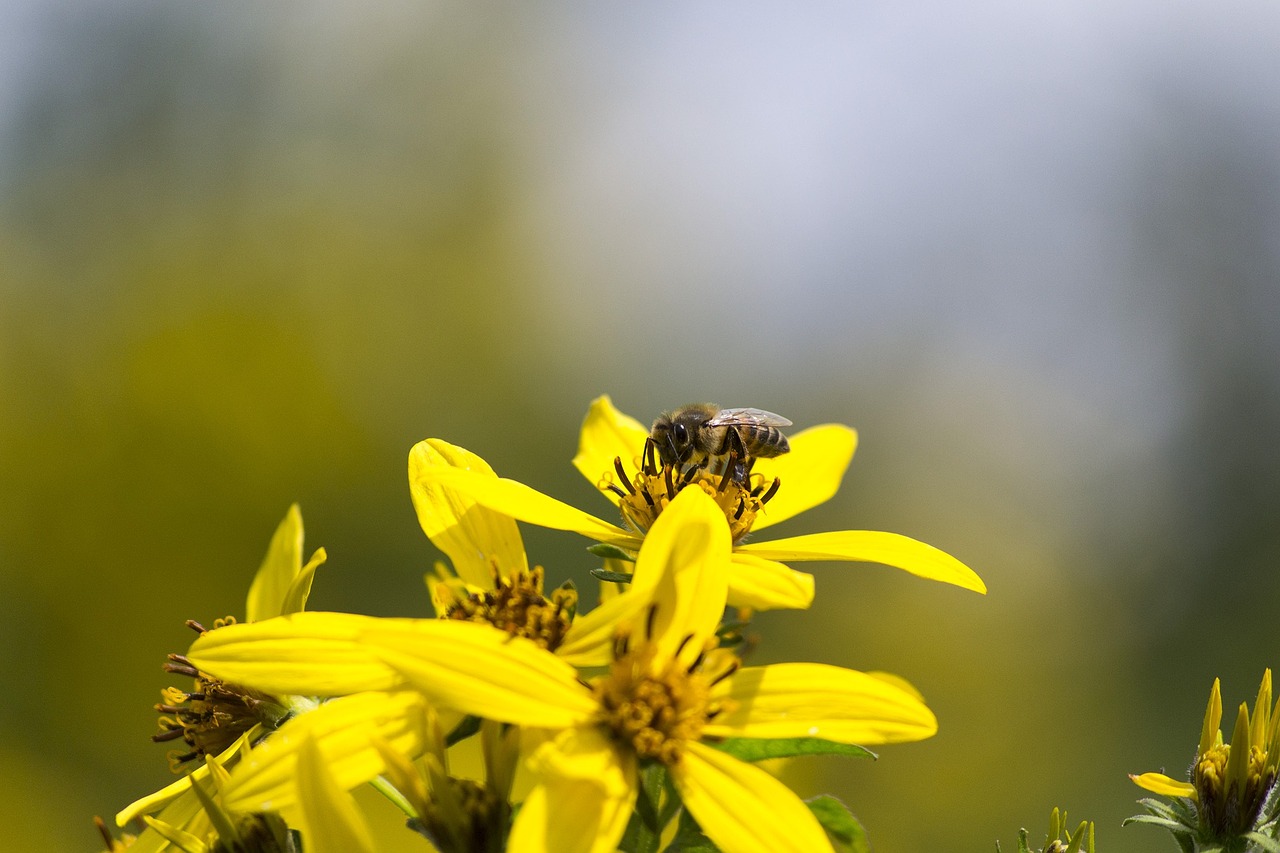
[517,605]
[642,498]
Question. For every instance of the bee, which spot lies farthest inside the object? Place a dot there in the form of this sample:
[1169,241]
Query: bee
[703,435]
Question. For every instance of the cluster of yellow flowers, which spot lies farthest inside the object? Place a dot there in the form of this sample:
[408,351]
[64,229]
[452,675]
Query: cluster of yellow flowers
[637,722]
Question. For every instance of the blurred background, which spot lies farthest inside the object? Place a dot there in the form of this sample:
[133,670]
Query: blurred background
[249,254]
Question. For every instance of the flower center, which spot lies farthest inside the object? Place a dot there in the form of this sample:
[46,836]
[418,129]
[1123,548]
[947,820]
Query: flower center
[469,816]
[642,498]
[655,707]
[1231,811]
[214,714]
[517,606]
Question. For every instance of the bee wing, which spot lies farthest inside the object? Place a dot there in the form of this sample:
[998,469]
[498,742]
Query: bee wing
[748,417]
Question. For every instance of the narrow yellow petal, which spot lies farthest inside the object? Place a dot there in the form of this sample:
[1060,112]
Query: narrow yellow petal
[331,820]
[478,669]
[521,502]
[162,800]
[688,550]
[1158,783]
[871,546]
[1210,731]
[742,808]
[279,568]
[810,473]
[816,700]
[475,537]
[187,842]
[345,731]
[767,584]
[583,800]
[608,434]
[295,599]
[302,654]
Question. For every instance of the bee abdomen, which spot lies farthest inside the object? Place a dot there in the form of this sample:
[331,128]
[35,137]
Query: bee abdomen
[764,440]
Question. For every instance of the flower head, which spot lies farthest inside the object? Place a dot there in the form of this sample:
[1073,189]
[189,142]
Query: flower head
[668,697]
[218,719]
[613,444]
[1231,795]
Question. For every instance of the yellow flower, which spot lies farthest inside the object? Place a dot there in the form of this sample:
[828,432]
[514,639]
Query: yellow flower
[218,720]
[1230,795]
[668,696]
[779,488]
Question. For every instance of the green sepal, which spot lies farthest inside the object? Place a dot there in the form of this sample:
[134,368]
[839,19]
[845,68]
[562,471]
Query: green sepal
[1263,842]
[656,804]
[470,725]
[844,830]
[758,749]
[611,552]
[689,837]
[611,577]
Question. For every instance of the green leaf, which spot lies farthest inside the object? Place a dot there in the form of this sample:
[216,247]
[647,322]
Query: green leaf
[611,552]
[846,834]
[758,749]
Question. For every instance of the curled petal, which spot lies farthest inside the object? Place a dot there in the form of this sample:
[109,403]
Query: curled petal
[345,732]
[871,546]
[767,584]
[607,434]
[742,808]
[521,502]
[475,537]
[331,820]
[584,798]
[687,550]
[810,473]
[279,568]
[816,700]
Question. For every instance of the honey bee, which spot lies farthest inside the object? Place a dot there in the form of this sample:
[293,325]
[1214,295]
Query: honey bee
[703,435]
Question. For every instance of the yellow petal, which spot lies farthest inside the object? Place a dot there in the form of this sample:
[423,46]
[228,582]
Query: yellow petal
[521,502]
[331,821]
[1158,783]
[767,584]
[180,790]
[478,669]
[687,550]
[583,800]
[810,473]
[345,732]
[475,537]
[871,546]
[816,700]
[742,808]
[278,570]
[187,842]
[303,654]
[608,434]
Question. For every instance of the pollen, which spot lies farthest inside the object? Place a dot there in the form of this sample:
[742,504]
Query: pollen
[656,708]
[210,717]
[642,498]
[518,606]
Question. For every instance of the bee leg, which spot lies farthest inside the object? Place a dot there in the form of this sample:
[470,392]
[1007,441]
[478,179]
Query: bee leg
[739,463]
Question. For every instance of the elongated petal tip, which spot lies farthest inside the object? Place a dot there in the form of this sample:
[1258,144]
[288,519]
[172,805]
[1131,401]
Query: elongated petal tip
[1158,783]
